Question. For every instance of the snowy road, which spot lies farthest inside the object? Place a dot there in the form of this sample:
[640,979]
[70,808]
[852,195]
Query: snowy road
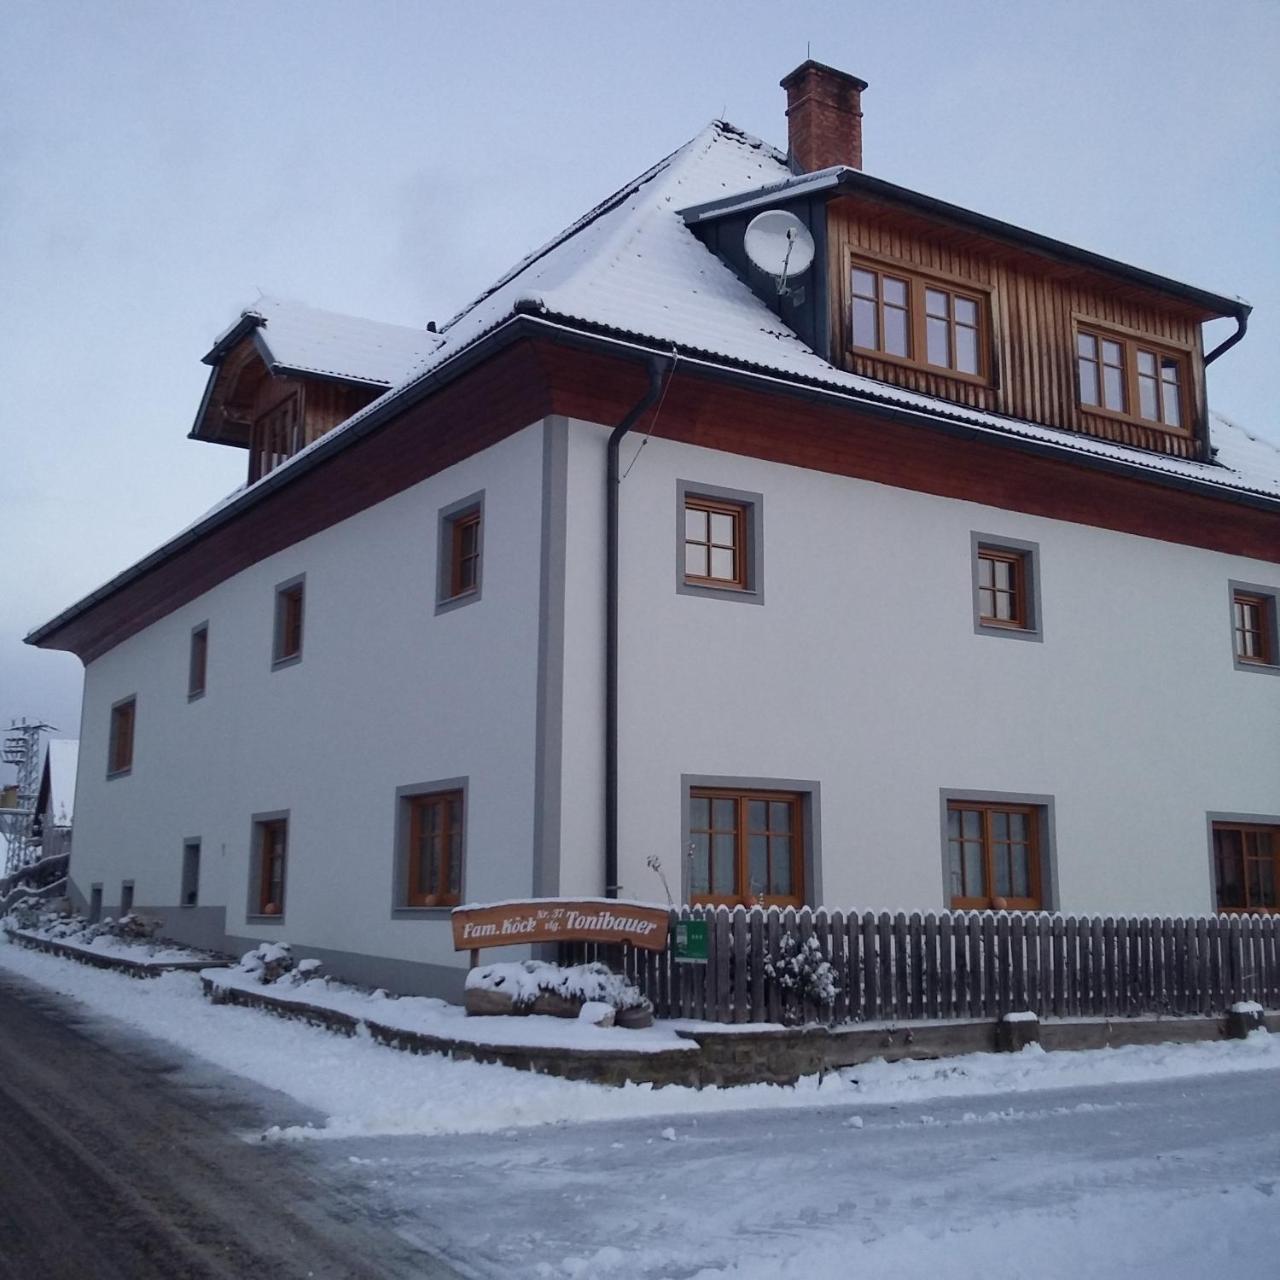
[122,1160]
[1167,1180]
[1160,1162]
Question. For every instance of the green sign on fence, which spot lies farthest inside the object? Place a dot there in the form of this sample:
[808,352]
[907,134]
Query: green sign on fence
[691,942]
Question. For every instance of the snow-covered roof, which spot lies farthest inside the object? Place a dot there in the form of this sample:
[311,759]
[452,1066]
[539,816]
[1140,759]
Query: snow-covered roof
[632,266]
[61,758]
[296,338]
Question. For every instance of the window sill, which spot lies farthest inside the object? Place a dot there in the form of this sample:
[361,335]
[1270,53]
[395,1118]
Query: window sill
[1114,415]
[289,660]
[421,913]
[908,365]
[112,774]
[196,696]
[743,595]
[1259,668]
[449,603]
[1009,633]
[261,919]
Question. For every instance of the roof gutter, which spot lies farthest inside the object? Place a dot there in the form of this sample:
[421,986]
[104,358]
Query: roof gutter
[613,495]
[1242,324]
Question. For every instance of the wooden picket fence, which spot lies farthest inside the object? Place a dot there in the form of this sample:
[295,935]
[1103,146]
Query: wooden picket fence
[967,964]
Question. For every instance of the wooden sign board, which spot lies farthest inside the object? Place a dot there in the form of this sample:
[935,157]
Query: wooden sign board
[560,920]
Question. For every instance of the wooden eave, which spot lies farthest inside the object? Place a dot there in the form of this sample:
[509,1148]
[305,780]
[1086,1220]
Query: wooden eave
[529,368]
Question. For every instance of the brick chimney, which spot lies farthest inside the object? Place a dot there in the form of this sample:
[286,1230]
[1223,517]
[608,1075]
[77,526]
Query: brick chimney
[824,117]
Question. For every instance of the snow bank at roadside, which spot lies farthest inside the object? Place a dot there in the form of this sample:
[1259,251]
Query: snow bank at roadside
[449,1021]
[361,1088]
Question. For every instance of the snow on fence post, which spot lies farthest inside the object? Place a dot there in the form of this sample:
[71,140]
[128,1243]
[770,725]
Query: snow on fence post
[742,966]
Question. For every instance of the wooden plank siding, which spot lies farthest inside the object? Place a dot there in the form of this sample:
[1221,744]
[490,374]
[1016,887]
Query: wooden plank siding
[1034,303]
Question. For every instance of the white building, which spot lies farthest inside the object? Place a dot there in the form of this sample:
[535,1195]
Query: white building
[936,584]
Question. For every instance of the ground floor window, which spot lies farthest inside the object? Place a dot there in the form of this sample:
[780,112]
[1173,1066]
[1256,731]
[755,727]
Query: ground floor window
[273,845]
[435,849]
[993,856]
[746,847]
[1246,858]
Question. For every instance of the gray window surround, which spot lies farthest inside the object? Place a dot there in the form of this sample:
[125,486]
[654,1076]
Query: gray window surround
[126,897]
[189,891]
[1047,833]
[446,517]
[111,737]
[810,793]
[1030,553]
[1269,594]
[753,507]
[400,909]
[193,695]
[251,913]
[277,628]
[95,902]
[1255,819]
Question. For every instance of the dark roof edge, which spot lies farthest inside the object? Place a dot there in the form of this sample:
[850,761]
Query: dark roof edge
[373,417]
[579,333]
[855,181]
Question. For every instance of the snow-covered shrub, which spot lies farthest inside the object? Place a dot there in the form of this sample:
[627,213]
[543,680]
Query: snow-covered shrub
[134,928]
[805,975]
[525,980]
[269,962]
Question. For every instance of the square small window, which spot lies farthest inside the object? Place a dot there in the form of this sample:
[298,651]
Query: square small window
[190,873]
[198,661]
[287,643]
[432,827]
[1253,628]
[461,559]
[746,847]
[719,542]
[120,748]
[1005,587]
[268,866]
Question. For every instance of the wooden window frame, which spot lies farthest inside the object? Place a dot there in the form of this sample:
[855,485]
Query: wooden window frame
[275,436]
[1130,345]
[1263,607]
[121,735]
[416,805]
[917,317]
[198,662]
[742,864]
[1017,560]
[271,840]
[1034,814]
[464,565]
[290,621]
[1245,829]
[460,572]
[739,514]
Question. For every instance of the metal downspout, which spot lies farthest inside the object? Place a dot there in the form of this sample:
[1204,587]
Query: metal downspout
[612,495]
[1242,324]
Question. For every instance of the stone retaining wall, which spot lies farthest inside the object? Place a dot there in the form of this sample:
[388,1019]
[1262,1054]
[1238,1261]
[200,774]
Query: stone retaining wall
[102,960]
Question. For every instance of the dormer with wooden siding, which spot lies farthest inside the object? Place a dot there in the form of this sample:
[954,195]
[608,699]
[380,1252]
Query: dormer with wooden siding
[916,293]
[285,374]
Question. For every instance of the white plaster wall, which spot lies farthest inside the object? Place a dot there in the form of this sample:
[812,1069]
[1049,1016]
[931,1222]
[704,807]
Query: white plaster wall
[862,671]
[387,694]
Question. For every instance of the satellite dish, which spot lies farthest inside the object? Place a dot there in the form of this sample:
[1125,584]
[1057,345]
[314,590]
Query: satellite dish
[779,244]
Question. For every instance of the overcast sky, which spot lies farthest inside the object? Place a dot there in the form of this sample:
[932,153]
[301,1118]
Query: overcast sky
[160,163]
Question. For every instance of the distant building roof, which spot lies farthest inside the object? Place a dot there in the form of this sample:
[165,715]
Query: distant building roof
[58,781]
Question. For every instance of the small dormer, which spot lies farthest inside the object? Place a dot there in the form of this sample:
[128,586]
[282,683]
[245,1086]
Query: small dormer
[284,374]
[915,293]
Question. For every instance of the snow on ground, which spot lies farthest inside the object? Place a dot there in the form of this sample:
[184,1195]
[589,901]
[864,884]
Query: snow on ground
[450,1021]
[1142,1162]
[365,1088]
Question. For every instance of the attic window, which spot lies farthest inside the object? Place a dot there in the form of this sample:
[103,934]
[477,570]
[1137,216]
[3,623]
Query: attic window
[275,437]
[1130,378]
[918,321]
